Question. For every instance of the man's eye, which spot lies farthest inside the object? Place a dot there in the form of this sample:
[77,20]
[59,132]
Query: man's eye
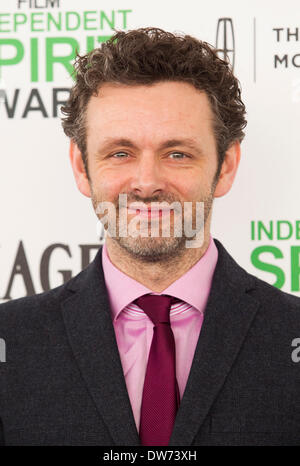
[181,155]
[120,153]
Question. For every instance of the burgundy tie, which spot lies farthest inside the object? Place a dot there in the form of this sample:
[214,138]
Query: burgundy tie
[161,398]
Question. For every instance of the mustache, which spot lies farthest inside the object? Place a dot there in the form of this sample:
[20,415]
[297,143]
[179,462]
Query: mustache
[145,200]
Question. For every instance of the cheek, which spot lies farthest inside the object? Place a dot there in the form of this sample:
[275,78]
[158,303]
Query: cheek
[107,186]
[200,191]
[193,187]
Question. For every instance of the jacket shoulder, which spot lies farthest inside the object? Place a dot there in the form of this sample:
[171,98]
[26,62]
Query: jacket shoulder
[32,312]
[42,300]
[23,312]
[30,303]
[278,309]
[272,295]
[239,278]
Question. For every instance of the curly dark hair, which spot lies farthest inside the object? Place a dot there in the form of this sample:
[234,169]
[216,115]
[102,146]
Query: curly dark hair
[149,55]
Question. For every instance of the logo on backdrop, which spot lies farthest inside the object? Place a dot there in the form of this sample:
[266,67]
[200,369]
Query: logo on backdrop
[225,40]
[38,44]
[274,253]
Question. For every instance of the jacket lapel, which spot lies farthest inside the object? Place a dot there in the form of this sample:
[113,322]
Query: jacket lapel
[227,319]
[91,334]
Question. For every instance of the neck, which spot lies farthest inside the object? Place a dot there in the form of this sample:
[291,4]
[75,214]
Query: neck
[153,274]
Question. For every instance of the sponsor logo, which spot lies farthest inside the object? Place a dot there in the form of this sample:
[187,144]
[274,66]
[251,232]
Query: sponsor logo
[225,42]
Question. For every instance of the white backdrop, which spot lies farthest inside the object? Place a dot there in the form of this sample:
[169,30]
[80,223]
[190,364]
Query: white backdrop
[39,201]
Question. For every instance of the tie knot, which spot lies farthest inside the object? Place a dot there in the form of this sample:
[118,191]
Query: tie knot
[157,307]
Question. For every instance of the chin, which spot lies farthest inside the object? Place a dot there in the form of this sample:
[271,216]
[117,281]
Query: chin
[152,249]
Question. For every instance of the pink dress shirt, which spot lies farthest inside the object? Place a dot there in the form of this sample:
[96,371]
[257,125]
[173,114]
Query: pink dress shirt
[134,329]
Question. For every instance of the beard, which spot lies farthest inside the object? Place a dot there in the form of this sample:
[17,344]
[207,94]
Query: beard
[158,248]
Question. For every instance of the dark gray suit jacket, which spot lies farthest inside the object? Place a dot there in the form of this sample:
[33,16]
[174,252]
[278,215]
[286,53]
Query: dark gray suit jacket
[63,384]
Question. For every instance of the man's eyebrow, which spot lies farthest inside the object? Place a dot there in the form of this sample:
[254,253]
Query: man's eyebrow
[112,142]
[188,142]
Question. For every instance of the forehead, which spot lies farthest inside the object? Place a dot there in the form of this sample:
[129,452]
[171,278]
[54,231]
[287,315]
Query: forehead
[156,109]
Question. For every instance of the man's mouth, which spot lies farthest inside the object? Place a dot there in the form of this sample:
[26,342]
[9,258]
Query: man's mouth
[150,212]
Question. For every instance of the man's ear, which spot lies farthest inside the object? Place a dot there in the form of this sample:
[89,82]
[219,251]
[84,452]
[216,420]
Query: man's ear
[79,170]
[228,170]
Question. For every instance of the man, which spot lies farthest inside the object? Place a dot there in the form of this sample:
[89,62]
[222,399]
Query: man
[159,341]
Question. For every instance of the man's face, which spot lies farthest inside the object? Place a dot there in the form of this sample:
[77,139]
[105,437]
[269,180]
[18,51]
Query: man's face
[154,143]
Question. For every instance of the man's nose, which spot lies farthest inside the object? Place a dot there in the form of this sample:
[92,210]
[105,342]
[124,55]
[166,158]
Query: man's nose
[148,178]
